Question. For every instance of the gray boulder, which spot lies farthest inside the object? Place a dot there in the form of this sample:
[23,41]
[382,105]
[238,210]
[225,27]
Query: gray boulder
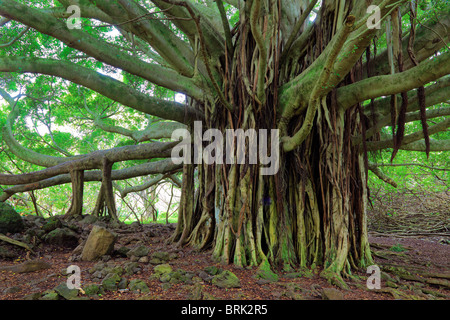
[99,243]
[226,279]
[62,237]
[10,220]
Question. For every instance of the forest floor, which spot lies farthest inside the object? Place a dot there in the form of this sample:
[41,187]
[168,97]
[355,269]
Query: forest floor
[415,266]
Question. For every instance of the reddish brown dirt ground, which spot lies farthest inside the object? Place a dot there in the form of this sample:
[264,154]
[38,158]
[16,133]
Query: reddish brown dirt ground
[427,255]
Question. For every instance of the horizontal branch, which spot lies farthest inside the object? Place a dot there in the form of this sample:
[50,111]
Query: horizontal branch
[413,137]
[94,160]
[370,88]
[141,187]
[157,130]
[428,42]
[409,165]
[157,167]
[435,93]
[105,85]
[97,48]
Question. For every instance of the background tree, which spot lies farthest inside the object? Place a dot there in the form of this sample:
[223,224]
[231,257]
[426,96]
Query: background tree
[315,70]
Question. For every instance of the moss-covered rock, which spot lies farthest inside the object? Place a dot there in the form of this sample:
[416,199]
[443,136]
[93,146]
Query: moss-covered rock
[65,292]
[50,296]
[93,289]
[138,285]
[140,251]
[162,269]
[62,237]
[100,242]
[226,279]
[10,220]
[51,224]
[111,281]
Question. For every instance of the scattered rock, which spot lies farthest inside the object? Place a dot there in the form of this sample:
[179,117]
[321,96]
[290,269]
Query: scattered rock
[266,275]
[93,289]
[226,279]
[138,285]
[123,284]
[332,294]
[140,251]
[50,296]
[51,224]
[143,259]
[162,269]
[111,281]
[213,270]
[122,251]
[65,292]
[196,292]
[10,220]
[294,295]
[89,219]
[205,276]
[131,268]
[166,285]
[99,243]
[32,296]
[159,257]
[6,253]
[62,237]
[13,289]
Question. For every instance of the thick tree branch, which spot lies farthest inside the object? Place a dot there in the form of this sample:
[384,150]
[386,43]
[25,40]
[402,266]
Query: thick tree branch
[162,166]
[94,160]
[98,49]
[102,84]
[413,137]
[370,88]
[171,48]
[381,175]
[428,42]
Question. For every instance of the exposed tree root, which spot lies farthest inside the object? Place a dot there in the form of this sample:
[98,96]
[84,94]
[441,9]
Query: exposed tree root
[15,242]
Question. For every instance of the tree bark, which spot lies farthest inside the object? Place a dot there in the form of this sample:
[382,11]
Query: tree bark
[76,207]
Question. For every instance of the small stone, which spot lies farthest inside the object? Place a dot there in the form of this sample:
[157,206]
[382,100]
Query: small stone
[212,270]
[65,292]
[131,268]
[32,296]
[92,289]
[110,282]
[166,285]
[50,296]
[122,251]
[138,285]
[143,259]
[332,294]
[226,279]
[140,251]
[123,284]
[13,289]
[162,268]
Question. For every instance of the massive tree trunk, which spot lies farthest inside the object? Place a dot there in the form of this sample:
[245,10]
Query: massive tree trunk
[312,212]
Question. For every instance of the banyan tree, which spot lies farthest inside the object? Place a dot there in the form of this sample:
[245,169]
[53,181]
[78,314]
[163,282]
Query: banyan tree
[326,76]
